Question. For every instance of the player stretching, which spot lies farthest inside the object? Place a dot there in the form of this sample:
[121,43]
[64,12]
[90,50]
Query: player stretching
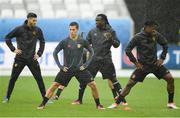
[102,38]
[72,47]
[147,61]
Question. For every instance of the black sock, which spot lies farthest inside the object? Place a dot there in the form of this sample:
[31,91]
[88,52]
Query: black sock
[120,99]
[117,87]
[170,97]
[97,101]
[124,100]
[81,92]
[58,93]
[45,100]
[114,92]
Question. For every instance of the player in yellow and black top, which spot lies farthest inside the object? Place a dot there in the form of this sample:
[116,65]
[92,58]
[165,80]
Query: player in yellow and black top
[26,36]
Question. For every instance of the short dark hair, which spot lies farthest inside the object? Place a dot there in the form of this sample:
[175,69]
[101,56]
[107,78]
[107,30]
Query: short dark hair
[74,24]
[151,23]
[31,15]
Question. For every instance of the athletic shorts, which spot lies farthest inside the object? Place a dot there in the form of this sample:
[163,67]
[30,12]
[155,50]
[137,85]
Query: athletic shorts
[140,74]
[63,78]
[105,66]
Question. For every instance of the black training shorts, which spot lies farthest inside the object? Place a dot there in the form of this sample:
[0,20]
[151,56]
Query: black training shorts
[140,74]
[63,78]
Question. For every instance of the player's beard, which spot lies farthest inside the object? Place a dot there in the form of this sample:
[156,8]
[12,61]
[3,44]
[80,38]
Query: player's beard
[73,36]
[100,26]
[150,34]
[33,24]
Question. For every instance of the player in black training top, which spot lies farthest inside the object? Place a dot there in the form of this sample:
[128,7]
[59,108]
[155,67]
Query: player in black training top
[72,47]
[102,38]
[61,88]
[147,61]
[26,36]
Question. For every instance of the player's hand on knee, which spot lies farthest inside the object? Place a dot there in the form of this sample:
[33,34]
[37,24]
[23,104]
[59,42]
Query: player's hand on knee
[61,87]
[18,51]
[65,69]
[93,83]
[138,65]
[36,56]
[159,62]
[82,67]
[55,85]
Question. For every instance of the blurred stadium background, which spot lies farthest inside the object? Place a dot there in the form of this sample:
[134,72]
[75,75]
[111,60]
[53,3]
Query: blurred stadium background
[126,17]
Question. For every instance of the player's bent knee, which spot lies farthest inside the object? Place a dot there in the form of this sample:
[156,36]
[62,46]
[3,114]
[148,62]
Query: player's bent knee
[167,76]
[171,80]
[130,84]
[61,87]
[113,80]
[55,85]
[92,84]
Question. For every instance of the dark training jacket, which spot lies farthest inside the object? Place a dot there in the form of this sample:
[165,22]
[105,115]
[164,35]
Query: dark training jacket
[101,44]
[26,39]
[146,48]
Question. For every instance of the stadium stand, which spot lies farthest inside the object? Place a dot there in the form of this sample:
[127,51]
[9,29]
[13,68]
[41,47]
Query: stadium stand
[62,8]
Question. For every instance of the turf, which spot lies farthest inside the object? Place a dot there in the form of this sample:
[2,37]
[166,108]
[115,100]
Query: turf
[145,100]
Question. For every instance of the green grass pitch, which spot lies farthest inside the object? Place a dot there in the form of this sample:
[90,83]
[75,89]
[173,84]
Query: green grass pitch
[147,99]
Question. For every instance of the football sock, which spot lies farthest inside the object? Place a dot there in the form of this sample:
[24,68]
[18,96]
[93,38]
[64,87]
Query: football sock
[58,93]
[114,92]
[120,99]
[117,86]
[97,101]
[170,97]
[45,100]
[81,92]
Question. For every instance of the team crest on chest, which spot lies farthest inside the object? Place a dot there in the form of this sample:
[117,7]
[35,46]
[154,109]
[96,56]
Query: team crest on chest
[154,38]
[34,33]
[78,45]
